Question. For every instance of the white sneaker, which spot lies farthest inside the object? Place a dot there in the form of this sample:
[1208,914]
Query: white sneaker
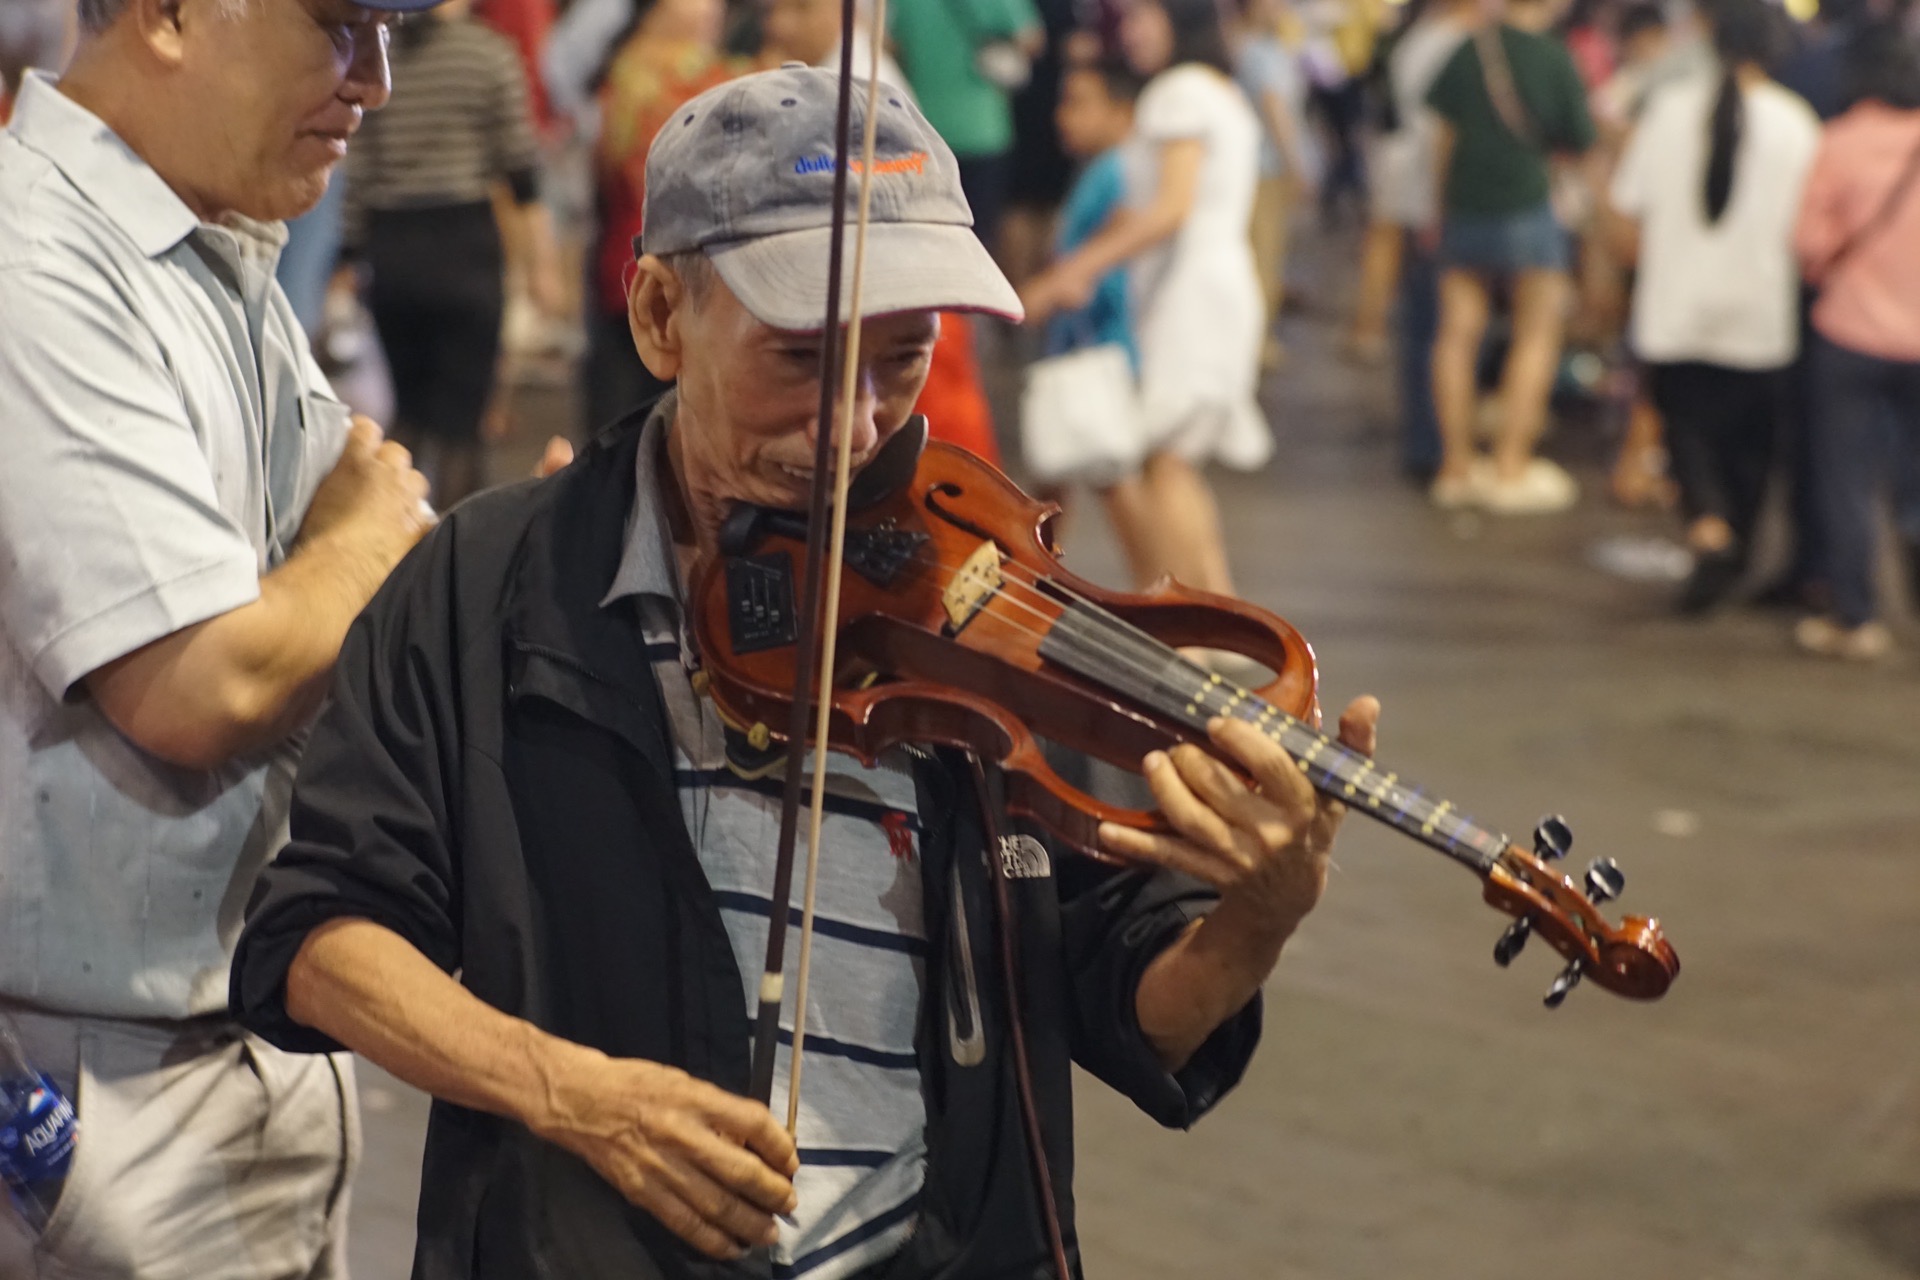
[1542,489]
[1457,493]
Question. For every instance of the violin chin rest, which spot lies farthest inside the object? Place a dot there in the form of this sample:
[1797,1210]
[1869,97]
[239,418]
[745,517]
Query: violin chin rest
[891,469]
[740,531]
[886,474]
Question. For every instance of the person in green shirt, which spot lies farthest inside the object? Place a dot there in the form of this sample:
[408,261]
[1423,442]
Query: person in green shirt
[963,59]
[1510,103]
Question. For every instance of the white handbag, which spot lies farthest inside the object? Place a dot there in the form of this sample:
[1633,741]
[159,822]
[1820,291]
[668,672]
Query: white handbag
[1080,417]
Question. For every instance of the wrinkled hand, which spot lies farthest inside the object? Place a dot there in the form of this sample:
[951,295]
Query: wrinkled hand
[1265,846]
[373,498]
[711,1166]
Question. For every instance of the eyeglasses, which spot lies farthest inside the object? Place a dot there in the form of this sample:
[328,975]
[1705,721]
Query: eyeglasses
[353,29]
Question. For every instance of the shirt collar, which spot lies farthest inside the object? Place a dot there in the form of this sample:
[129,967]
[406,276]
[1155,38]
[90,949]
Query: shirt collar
[103,167]
[649,565]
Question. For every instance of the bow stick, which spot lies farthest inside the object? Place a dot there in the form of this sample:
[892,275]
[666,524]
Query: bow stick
[820,623]
[832,458]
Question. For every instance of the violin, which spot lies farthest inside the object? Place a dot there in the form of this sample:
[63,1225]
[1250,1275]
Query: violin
[959,627]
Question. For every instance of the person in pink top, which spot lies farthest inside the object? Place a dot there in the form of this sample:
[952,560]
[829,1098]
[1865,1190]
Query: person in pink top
[1859,244]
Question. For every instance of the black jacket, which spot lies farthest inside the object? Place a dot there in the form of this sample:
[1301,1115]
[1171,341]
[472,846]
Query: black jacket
[492,779]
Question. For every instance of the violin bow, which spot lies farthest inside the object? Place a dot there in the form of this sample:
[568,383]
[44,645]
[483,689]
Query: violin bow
[820,617]
[820,613]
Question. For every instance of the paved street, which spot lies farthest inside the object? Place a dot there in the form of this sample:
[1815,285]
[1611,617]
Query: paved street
[1414,1111]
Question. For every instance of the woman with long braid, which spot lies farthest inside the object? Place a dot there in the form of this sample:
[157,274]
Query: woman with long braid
[1709,188]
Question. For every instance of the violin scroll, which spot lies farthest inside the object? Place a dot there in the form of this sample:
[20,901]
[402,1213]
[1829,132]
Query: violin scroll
[1633,959]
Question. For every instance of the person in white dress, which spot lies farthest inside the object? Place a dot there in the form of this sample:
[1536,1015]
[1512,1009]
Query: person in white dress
[1191,167]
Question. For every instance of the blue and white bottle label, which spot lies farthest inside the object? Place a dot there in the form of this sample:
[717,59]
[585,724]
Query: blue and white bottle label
[37,1131]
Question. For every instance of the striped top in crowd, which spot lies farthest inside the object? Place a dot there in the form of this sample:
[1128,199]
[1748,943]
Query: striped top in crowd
[458,123]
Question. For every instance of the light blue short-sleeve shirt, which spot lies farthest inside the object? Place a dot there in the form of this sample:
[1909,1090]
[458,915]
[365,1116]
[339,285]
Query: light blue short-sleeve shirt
[163,429]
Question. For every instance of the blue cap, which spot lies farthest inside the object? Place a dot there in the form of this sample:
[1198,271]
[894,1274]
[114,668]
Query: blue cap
[745,173]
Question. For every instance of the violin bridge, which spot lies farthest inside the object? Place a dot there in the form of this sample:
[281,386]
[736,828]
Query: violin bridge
[976,583]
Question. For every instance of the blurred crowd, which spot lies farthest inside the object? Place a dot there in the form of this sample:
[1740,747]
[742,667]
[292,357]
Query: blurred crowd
[1699,219]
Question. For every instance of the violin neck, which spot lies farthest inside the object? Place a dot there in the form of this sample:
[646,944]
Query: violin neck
[1099,646]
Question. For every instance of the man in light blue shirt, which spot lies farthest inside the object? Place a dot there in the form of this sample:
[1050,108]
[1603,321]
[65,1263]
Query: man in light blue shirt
[188,522]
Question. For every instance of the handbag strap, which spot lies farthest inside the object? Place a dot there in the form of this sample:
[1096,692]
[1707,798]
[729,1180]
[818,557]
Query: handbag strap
[1496,73]
[1866,231]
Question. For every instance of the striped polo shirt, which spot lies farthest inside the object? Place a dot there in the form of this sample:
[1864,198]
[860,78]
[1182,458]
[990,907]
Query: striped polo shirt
[862,1115]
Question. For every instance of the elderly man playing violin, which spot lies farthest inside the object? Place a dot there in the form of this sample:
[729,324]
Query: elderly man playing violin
[530,865]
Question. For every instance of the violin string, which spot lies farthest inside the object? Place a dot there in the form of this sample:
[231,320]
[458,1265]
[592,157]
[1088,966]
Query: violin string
[1115,638]
[1119,640]
[1454,825]
[1127,656]
[1123,642]
[1103,617]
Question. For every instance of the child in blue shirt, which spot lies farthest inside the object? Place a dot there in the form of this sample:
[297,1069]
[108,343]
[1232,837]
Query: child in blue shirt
[1095,116]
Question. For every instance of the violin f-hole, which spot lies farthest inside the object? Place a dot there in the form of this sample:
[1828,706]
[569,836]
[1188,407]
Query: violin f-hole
[948,489]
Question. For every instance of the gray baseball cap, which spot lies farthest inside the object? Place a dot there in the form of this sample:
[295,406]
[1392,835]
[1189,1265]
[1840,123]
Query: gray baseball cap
[745,172]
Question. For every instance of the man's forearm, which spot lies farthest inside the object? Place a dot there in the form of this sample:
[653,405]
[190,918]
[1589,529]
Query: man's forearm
[1205,977]
[708,1165]
[244,680]
[373,991]
[286,653]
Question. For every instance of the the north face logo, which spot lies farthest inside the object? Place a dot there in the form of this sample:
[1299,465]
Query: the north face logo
[1024,858]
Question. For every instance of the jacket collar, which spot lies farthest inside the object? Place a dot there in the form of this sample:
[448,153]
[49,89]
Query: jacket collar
[648,562]
[565,566]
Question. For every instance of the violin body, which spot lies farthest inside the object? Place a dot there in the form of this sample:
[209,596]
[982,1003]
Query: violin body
[906,675]
[959,627]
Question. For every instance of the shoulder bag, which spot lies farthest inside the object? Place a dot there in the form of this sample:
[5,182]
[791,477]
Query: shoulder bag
[1569,195]
[1080,417]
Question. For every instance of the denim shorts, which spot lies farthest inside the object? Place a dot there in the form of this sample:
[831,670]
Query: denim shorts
[1505,243]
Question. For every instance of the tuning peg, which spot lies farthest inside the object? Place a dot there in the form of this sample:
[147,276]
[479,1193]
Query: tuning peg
[1552,838]
[1512,941]
[1605,880]
[1569,979]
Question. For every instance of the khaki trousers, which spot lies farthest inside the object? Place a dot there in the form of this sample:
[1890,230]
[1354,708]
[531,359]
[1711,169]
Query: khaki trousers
[204,1153]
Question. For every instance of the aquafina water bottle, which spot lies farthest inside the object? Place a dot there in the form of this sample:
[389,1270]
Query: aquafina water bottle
[38,1128]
